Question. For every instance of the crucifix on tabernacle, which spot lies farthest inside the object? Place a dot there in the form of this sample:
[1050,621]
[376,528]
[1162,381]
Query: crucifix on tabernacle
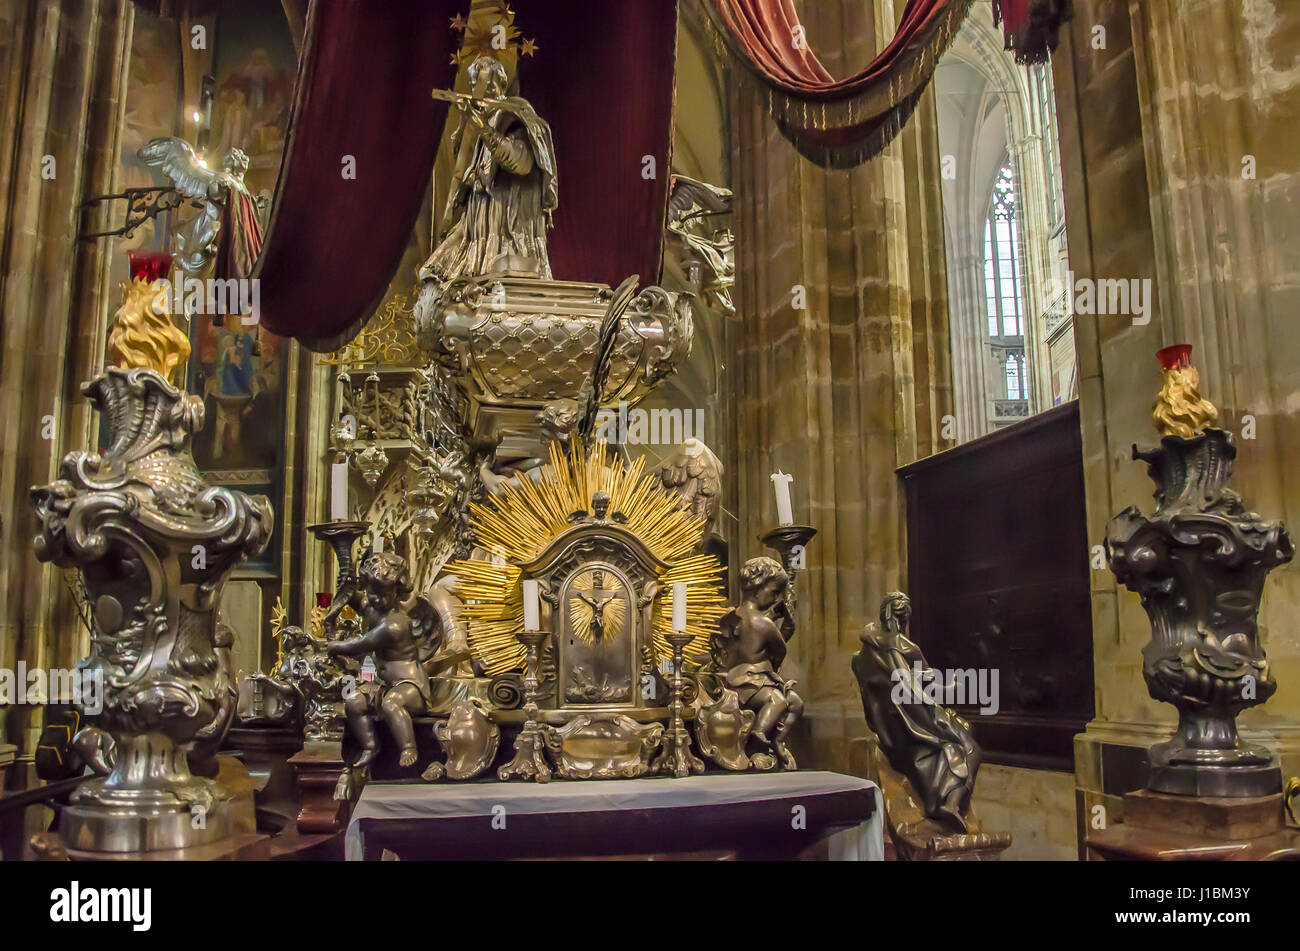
[597,600]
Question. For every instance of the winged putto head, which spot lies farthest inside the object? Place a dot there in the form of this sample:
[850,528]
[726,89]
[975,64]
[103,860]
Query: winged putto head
[235,163]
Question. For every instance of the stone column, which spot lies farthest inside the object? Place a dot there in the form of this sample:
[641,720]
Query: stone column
[1179,160]
[845,389]
[66,65]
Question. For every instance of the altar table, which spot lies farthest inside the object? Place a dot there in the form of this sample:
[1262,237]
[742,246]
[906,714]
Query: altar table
[737,815]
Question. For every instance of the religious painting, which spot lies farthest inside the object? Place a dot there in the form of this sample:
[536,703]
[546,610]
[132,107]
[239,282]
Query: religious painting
[239,372]
[152,110]
[255,71]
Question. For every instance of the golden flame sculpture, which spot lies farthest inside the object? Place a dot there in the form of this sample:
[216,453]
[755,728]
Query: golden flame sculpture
[144,335]
[523,520]
[1180,409]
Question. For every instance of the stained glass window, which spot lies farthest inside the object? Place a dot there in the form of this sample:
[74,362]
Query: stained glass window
[1002,259]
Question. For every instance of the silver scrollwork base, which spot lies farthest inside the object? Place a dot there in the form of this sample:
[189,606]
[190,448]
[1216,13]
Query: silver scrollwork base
[149,802]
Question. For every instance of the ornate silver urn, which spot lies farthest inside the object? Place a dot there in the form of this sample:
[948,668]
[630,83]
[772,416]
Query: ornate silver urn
[154,544]
[513,344]
[1199,562]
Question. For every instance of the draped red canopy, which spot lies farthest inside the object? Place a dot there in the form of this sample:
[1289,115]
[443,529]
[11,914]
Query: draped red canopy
[836,123]
[602,77]
[363,135]
[1031,27]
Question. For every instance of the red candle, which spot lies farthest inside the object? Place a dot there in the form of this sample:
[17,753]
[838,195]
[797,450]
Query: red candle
[149,266]
[1176,357]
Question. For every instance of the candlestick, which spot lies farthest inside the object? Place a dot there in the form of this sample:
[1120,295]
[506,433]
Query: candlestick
[679,605]
[790,541]
[341,536]
[530,746]
[784,510]
[339,492]
[675,757]
[532,606]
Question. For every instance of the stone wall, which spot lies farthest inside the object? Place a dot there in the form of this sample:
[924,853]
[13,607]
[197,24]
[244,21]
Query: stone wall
[64,63]
[845,389]
[1035,805]
[1179,153]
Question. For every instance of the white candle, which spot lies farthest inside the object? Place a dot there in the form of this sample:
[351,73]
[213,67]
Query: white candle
[378,545]
[339,491]
[532,607]
[784,512]
[679,605]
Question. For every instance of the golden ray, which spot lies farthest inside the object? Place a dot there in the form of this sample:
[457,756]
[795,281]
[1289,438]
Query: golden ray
[524,519]
[581,613]
[705,605]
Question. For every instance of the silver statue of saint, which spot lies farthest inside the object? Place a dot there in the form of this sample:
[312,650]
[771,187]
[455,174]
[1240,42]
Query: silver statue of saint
[503,189]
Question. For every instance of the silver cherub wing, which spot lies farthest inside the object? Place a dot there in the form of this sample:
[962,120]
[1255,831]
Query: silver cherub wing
[177,161]
[694,473]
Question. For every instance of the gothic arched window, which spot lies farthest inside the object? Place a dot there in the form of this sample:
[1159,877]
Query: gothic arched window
[1002,259]
[1016,389]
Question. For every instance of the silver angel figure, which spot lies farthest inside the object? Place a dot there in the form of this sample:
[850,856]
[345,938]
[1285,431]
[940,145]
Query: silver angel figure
[707,255]
[402,633]
[227,227]
[749,648]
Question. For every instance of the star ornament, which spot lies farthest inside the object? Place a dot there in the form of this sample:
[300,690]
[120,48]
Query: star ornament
[458,22]
[529,47]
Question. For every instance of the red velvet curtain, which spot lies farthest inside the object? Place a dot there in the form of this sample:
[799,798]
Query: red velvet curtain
[1031,27]
[836,123]
[602,77]
[362,140]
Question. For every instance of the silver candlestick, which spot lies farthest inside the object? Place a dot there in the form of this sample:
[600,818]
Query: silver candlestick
[676,757]
[530,746]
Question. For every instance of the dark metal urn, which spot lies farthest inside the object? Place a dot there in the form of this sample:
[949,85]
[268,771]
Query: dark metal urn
[1199,562]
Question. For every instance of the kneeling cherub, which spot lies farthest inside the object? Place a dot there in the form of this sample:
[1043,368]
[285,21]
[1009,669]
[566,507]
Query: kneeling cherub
[751,645]
[401,633]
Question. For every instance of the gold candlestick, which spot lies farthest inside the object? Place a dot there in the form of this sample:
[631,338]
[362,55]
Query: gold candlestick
[530,746]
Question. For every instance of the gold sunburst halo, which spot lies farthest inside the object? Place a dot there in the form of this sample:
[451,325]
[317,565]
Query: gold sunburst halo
[521,522]
[278,617]
[705,605]
[492,607]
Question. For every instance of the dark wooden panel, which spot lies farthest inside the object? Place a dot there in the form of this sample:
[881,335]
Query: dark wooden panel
[998,576]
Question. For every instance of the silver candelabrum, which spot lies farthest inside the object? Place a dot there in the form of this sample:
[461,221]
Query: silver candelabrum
[154,544]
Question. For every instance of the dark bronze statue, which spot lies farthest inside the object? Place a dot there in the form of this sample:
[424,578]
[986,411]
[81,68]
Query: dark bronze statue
[401,633]
[930,745]
[924,757]
[750,647]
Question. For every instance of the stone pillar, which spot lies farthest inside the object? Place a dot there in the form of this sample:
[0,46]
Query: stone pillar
[66,65]
[840,392]
[1179,164]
